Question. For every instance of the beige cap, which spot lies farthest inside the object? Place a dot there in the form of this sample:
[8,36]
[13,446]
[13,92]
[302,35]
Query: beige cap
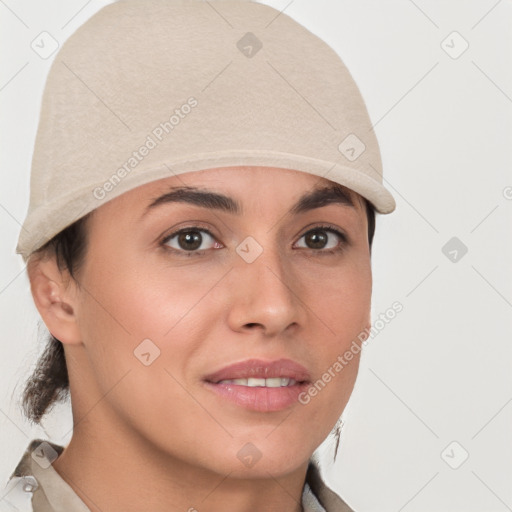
[147,89]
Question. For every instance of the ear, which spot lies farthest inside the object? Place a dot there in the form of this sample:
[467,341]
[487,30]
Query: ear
[54,294]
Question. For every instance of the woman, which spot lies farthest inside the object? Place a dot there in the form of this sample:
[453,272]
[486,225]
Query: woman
[198,245]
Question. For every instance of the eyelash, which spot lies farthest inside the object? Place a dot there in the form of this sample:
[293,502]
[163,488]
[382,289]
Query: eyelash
[187,254]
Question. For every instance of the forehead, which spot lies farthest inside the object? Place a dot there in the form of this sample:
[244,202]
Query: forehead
[231,188]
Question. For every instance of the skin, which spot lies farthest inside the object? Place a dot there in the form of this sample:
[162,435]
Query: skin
[154,433]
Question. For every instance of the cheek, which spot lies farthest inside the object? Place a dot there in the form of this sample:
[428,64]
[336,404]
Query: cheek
[341,298]
[342,302]
[128,302]
[127,299]
[139,339]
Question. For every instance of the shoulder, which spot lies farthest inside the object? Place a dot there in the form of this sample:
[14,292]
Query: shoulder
[17,493]
[38,449]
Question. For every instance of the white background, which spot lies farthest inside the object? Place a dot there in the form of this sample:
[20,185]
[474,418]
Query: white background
[441,370]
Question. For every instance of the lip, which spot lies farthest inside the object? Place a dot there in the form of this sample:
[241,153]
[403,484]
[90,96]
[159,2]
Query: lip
[258,368]
[260,399]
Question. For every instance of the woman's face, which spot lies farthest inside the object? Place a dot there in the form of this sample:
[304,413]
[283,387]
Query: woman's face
[160,313]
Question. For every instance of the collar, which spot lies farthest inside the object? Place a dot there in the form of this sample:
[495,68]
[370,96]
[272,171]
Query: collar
[35,486]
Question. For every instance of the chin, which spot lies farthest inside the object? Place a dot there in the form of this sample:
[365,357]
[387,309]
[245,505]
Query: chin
[265,467]
[262,458]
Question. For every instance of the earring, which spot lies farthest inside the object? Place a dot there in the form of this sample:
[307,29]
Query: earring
[337,433]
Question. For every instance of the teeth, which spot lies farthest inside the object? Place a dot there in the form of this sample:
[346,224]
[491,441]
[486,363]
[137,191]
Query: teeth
[252,383]
[274,382]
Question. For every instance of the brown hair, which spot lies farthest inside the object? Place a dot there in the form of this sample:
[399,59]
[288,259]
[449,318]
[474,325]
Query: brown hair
[49,382]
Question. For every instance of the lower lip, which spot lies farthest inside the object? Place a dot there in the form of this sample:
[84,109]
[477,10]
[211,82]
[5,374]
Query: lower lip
[261,399]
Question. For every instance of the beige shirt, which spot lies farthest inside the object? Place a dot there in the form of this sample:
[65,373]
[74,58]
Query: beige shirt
[35,486]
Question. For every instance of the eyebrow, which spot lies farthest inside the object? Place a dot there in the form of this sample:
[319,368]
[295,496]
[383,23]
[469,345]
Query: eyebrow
[317,198]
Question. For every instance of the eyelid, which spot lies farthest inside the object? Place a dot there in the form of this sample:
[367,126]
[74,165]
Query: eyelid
[198,226]
[327,227]
[345,240]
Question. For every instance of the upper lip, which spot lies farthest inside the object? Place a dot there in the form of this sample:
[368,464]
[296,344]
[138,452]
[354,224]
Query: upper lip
[258,368]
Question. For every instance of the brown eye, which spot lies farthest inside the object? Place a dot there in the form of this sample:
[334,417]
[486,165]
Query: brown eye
[316,239]
[189,240]
[324,239]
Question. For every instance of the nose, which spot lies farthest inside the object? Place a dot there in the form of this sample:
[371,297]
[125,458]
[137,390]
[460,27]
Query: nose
[266,295]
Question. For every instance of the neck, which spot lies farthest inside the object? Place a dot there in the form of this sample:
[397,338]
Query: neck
[119,471]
